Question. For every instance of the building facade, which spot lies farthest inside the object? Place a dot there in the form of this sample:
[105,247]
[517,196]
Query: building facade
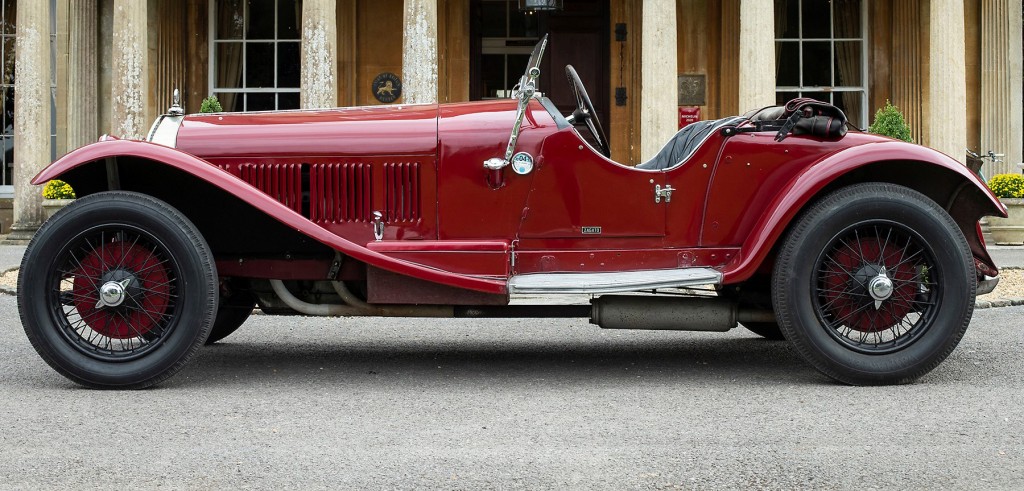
[110,66]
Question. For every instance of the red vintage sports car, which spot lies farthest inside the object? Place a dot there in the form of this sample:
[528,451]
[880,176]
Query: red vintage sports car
[864,252]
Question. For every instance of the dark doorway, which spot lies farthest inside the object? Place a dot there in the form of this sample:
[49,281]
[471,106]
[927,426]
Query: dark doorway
[501,38]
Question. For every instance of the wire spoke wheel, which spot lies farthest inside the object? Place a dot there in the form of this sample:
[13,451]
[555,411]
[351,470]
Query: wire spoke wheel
[874,284]
[877,283]
[117,290]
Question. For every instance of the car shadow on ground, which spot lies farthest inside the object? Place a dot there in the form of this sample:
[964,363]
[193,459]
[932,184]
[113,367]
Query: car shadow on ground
[735,360]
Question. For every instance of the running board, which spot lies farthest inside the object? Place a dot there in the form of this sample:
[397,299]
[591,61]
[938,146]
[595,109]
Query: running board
[628,281]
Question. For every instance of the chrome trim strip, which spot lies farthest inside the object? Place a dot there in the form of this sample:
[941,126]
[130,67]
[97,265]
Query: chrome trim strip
[627,281]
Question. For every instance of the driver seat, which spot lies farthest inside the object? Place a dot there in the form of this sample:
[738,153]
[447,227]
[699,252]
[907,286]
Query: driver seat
[685,143]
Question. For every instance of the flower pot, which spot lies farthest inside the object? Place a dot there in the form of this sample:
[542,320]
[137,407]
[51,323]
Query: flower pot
[1010,230]
[51,206]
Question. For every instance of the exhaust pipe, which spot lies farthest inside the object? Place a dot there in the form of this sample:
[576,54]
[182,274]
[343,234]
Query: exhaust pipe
[672,313]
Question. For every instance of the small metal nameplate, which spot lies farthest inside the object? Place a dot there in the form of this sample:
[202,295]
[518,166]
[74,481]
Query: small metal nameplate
[592,230]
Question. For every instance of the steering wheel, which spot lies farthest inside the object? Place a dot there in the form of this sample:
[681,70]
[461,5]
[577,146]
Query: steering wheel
[585,112]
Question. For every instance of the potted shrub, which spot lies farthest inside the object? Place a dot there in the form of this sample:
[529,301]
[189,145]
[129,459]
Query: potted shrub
[889,121]
[1009,188]
[56,195]
[211,105]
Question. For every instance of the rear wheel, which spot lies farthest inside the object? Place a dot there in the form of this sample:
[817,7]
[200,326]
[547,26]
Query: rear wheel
[874,285]
[118,290]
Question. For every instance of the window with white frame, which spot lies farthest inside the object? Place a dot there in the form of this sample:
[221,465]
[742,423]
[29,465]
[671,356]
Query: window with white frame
[254,56]
[8,32]
[821,52]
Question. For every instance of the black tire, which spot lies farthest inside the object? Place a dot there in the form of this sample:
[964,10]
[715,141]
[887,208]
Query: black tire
[234,310]
[152,326]
[843,317]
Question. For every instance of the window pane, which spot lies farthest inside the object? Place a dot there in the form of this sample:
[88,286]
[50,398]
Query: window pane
[848,63]
[846,18]
[492,74]
[492,18]
[289,19]
[259,65]
[288,64]
[787,19]
[9,17]
[782,98]
[816,19]
[260,102]
[230,19]
[228,66]
[817,64]
[852,104]
[230,102]
[288,100]
[787,72]
[260,20]
[8,116]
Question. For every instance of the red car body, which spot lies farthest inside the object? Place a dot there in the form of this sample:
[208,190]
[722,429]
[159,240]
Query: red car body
[863,251]
[446,221]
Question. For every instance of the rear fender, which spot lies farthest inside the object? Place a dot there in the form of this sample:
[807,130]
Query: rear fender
[95,168]
[944,180]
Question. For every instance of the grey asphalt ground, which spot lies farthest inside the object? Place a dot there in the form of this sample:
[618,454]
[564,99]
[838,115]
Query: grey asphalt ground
[535,404]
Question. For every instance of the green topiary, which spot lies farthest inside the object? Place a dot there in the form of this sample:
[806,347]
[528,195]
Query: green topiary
[57,189]
[211,105]
[889,122]
[1007,185]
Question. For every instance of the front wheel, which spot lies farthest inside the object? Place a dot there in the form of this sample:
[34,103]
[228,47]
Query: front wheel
[117,290]
[874,285]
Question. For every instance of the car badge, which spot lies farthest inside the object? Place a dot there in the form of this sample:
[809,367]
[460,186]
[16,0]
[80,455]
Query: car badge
[522,163]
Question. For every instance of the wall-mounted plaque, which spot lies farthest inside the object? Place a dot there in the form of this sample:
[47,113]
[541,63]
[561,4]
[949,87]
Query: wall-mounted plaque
[693,90]
[387,87]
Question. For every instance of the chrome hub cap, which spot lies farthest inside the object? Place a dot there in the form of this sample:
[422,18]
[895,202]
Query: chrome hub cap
[880,288]
[112,293]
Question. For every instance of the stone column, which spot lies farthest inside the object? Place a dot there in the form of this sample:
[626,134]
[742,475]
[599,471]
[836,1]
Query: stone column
[1001,128]
[947,88]
[659,97]
[319,54]
[31,115]
[83,78]
[129,87]
[419,52]
[757,54]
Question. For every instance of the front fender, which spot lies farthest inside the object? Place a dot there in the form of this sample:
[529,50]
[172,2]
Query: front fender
[209,173]
[864,163]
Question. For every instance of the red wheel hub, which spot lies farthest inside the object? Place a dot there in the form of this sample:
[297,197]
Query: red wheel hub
[147,296]
[846,295]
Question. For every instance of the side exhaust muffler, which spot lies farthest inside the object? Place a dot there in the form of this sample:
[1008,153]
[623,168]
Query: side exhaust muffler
[672,313]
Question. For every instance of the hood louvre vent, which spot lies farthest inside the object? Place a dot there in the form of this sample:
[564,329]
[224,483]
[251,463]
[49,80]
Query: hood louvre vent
[340,192]
[282,182]
[402,192]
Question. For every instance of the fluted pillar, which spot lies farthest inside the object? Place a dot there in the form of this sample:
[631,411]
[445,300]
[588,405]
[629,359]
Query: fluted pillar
[419,52]
[319,54]
[1001,128]
[947,88]
[907,81]
[757,54]
[130,79]
[658,72]
[83,124]
[31,115]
